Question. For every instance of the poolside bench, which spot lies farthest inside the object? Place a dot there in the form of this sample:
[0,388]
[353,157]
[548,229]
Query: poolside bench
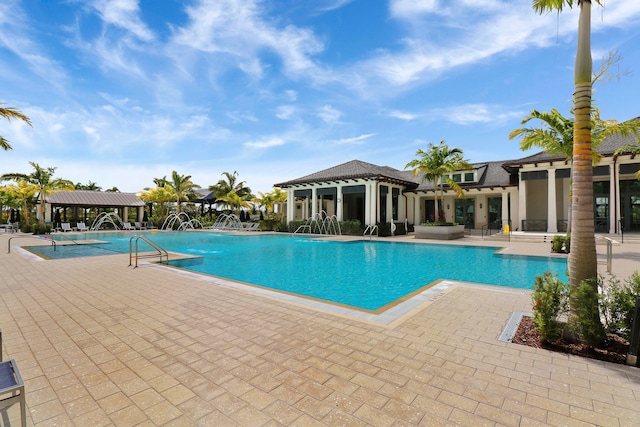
[11,383]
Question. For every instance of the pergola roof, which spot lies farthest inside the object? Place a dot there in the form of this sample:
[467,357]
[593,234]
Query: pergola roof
[84,198]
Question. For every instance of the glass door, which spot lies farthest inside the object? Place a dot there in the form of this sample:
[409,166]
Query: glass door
[465,212]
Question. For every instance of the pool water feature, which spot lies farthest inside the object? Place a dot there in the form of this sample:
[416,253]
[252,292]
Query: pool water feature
[363,274]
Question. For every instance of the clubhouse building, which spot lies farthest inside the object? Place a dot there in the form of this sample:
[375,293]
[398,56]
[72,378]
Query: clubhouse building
[528,194]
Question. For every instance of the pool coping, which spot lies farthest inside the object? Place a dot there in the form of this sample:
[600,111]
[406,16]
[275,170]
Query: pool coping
[390,317]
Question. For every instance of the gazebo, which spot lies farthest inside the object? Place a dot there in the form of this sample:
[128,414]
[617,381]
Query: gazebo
[67,206]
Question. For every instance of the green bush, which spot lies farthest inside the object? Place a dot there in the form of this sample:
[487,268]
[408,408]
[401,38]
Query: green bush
[585,306]
[549,303]
[400,229]
[567,243]
[351,228]
[384,229]
[618,304]
[557,243]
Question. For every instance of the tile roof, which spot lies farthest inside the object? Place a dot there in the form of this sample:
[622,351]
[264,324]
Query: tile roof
[94,199]
[355,169]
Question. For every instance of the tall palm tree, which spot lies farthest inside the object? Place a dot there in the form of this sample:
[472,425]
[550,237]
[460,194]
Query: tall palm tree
[43,179]
[182,187]
[583,260]
[435,164]
[11,113]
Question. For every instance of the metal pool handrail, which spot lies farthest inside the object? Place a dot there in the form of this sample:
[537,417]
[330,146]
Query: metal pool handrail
[160,251]
[53,242]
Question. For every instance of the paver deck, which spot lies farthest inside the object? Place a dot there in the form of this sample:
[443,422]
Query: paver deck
[99,344]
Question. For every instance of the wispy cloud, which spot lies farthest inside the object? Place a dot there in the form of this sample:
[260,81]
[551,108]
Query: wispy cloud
[469,114]
[355,140]
[329,114]
[402,115]
[124,14]
[265,143]
[240,30]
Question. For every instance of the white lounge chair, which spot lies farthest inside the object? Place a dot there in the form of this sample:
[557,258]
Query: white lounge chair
[252,226]
[139,226]
[127,226]
[81,226]
[65,226]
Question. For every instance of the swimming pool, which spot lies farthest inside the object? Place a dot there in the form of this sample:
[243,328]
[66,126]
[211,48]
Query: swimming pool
[363,274]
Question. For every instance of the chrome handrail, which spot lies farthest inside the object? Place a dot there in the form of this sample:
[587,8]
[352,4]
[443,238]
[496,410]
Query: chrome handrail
[53,242]
[160,250]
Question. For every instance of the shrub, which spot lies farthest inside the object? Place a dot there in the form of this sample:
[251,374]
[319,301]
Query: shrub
[384,229]
[585,305]
[351,228]
[400,229]
[567,243]
[557,243]
[549,303]
[618,304]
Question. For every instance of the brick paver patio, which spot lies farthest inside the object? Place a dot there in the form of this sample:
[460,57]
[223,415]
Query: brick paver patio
[99,344]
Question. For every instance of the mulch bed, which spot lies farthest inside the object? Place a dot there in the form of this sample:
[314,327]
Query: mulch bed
[615,351]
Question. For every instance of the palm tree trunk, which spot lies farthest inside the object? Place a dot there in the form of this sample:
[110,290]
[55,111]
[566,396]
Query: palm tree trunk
[583,257]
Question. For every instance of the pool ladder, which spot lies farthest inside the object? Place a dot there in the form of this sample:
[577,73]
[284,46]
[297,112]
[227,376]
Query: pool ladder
[159,251]
[368,232]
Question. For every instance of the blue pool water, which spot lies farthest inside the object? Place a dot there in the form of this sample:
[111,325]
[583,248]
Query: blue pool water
[363,274]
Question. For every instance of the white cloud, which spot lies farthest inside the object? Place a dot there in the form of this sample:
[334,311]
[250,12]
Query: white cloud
[265,143]
[402,115]
[355,140]
[329,114]
[469,114]
[409,8]
[124,14]
[239,30]
[285,112]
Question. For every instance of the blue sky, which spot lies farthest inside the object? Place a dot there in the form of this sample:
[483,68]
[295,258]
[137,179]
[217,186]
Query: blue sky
[124,91]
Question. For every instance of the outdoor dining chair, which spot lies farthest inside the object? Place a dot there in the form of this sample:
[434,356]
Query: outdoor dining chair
[12,389]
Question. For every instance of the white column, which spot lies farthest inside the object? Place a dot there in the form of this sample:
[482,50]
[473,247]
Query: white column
[369,207]
[125,214]
[417,201]
[390,204]
[522,203]
[505,208]
[339,203]
[614,197]
[140,213]
[291,205]
[314,202]
[552,216]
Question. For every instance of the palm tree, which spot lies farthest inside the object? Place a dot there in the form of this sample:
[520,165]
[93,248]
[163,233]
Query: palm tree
[182,187]
[555,136]
[42,178]
[235,200]
[582,258]
[160,196]
[11,113]
[435,164]
[231,183]
[91,186]
[24,192]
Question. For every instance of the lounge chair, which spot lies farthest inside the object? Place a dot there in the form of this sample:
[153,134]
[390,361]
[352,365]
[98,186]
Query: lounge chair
[65,226]
[139,226]
[11,383]
[81,226]
[127,226]
[252,226]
